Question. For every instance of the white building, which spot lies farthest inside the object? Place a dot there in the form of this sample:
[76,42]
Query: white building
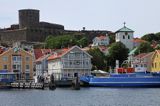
[69,62]
[125,35]
[42,66]
[142,62]
[101,40]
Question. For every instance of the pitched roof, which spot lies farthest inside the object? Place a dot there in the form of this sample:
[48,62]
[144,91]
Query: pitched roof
[124,29]
[42,58]
[58,53]
[16,50]
[138,40]
[41,52]
[141,55]
[102,37]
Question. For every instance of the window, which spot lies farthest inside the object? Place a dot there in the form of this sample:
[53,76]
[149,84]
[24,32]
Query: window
[87,63]
[77,62]
[14,67]
[152,65]
[145,65]
[70,62]
[27,75]
[155,65]
[123,37]
[27,67]
[27,58]
[5,67]
[5,58]
[128,37]
[16,58]
[18,67]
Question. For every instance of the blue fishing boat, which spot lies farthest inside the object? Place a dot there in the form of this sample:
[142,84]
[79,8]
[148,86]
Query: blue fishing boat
[124,80]
[6,78]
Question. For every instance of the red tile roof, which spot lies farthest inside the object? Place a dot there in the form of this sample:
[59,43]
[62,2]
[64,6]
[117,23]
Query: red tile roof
[2,49]
[138,40]
[58,53]
[41,52]
[141,55]
[41,58]
[102,37]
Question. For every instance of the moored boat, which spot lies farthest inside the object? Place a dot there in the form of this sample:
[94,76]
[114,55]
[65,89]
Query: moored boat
[6,78]
[124,80]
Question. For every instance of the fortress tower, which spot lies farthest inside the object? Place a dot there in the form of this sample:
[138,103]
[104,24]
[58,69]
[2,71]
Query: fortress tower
[28,18]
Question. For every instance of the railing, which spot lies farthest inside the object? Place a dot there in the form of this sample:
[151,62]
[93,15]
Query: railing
[76,66]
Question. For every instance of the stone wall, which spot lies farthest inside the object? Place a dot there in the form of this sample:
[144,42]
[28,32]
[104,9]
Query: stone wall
[9,37]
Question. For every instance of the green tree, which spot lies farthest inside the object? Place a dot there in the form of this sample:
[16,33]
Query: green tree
[117,51]
[49,42]
[82,42]
[158,36]
[111,38]
[150,37]
[98,60]
[62,41]
[144,47]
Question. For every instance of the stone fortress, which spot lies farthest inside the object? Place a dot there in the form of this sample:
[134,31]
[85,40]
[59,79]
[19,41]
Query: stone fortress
[29,29]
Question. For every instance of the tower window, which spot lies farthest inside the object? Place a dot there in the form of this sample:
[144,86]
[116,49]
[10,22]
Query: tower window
[123,37]
[126,33]
[128,37]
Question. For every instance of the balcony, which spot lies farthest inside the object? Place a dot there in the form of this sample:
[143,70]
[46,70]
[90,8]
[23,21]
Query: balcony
[77,66]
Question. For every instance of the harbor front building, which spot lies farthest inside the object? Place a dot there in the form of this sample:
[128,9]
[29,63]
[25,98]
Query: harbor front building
[142,62]
[156,61]
[17,61]
[68,62]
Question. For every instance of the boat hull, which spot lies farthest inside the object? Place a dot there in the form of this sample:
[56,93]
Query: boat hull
[114,84]
[123,81]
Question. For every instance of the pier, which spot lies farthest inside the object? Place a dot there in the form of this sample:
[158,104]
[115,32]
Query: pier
[27,85]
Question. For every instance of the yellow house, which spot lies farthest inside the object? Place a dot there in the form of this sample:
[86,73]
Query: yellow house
[155,61]
[18,61]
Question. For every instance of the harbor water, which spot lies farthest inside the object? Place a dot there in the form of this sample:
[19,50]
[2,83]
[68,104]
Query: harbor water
[83,97]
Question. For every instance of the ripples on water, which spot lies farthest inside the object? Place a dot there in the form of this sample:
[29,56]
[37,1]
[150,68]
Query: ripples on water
[83,97]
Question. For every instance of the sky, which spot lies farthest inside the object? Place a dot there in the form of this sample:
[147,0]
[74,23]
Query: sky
[142,16]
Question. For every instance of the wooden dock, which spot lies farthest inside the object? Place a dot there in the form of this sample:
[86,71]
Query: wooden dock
[27,85]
